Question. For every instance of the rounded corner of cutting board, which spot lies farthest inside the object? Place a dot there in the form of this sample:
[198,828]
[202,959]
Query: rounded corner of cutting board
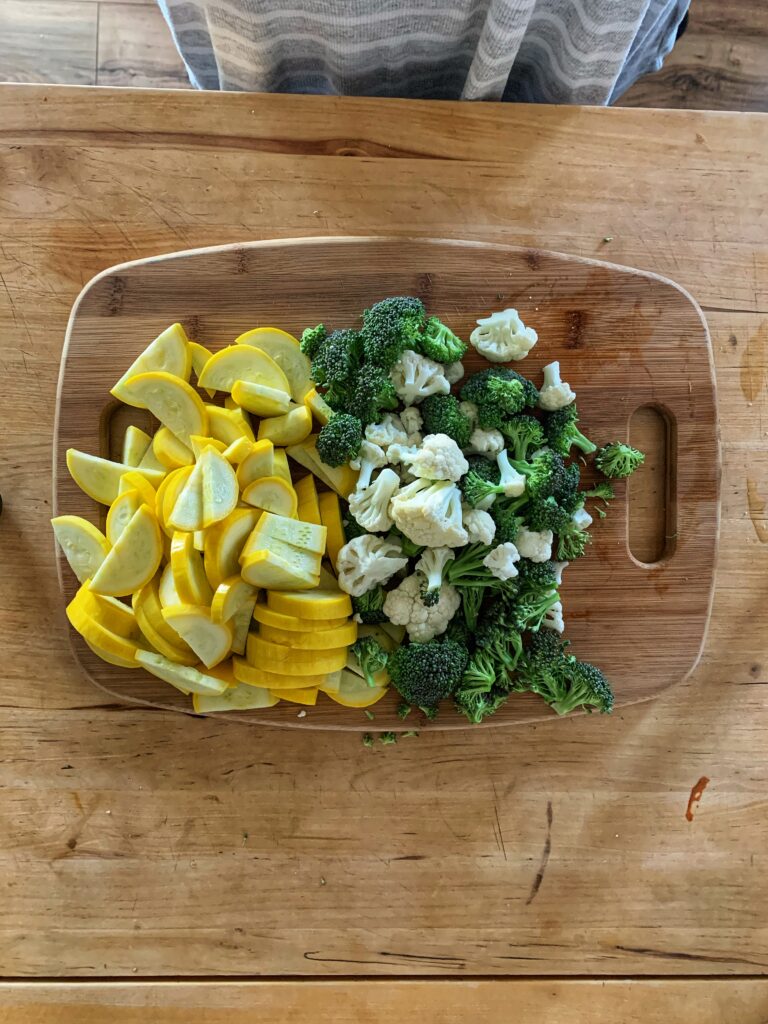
[609,324]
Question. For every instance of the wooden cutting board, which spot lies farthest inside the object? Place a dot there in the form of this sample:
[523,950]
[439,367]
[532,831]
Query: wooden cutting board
[626,340]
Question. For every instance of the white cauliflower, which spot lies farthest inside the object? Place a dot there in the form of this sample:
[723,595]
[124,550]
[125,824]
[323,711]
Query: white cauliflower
[428,512]
[555,393]
[454,371]
[501,561]
[534,544]
[366,561]
[559,568]
[512,481]
[404,607]
[438,458]
[469,409]
[389,431]
[370,506]
[432,565]
[480,527]
[399,454]
[581,519]
[503,337]
[412,423]
[371,457]
[416,376]
[486,442]
[554,618]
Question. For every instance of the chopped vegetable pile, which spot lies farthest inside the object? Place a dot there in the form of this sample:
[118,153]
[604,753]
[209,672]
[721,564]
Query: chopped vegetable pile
[423,550]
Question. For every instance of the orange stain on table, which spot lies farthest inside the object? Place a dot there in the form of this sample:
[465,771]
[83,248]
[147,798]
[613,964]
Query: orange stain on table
[696,794]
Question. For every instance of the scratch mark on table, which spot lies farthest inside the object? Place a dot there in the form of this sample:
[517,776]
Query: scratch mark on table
[544,858]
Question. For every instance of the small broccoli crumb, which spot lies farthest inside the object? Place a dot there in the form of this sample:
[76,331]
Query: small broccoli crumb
[387,738]
[409,734]
[367,739]
[403,710]
[369,715]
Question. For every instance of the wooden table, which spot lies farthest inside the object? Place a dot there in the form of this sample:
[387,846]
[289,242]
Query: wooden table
[142,845]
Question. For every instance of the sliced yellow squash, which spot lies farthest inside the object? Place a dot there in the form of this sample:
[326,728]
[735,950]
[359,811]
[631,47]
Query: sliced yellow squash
[135,445]
[224,543]
[263,614]
[259,399]
[134,559]
[84,546]
[209,640]
[240,623]
[315,605]
[246,673]
[235,698]
[185,678]
[354,692]
[177,405]
[199,444]
[306,493]
[200,355]
[121,511]
[136,481]
[189,577]
[316,640]
[101,640]
[330,517]
[169,352]
[151,461]
[231,596]
[281,467]
[286,352]
[149,615]
[219,487]
[167,493]
[318,406]
[306,536]
[238,451]
[282,660]
[259,462]
[167,589]
[272,494]
[306,695]
[291,428]
[341,479]
[100,478]
[224,425]
[109,612]
[170,451]
[269,570]
[187,512]
[241,362]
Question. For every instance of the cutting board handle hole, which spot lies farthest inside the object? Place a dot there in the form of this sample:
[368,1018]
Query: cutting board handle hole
[651,504]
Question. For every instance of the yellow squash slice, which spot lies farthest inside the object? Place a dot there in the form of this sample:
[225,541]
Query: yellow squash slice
[241,362]
[267,569]
[317,640]
[259,462]
[211,641]
[100,478]
[108,612]
[305,695]
[286,352]
[149,615]
[315,605]
[306,493]
[167,589]
[200,356]
[136,481]
[246,673]
[187,511]
[341,479]
[354,692]
[240,624]
[189,577]
[238,451]
[235,698]
[167,493]
[169,352]
[224,543]
[231,596]
[84,546]
[318,406]
[281,660]
[101,640]
[151,461]
[121,512]
[219,487]
[170,451]
[291,428]
[330,517]
[135,445]
[281,468]
[199,444]
[259,399]
[185,678]
[266,616]
[272,494]
[306,536]
[134,559]
[224,425]
[177,405]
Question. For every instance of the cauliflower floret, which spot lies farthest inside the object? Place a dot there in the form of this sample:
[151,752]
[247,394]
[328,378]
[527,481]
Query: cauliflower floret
[534,544]
[503,336]
[404,607]
[454,371]
[486,442]
[416,376]
[556,393]
[371,457]
[366,561]
[389,431]
[554,618]
[432,565]
[480,527]
[559,568]
[581,519]
[501,561]
[469,409]
[412,423]
[438,458]
[370,506]
[428,512]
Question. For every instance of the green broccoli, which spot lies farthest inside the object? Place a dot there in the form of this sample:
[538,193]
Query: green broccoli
[537,574]
[604,492]
[572,543]
[531,605]
[510,483]
[473,580]
[508,522]
[523,433]
[459,631]
[340,439]
[562,433]
[431,567]
[387,738]
[312,339]
[498,636]
[424,674]
[438,342]
[367,739]
[479,704]
[442,415]
[508,395]
[480,673]
[547,474]
[618,460]
[369,607]
[371,392]
[390,327]
[335,366]
[481,467]
[563,682]
[371,657]
[476,389]
[403,709]
[546,514]
[352,529]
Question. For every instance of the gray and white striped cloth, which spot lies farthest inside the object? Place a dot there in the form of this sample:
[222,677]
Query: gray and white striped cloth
[547,51]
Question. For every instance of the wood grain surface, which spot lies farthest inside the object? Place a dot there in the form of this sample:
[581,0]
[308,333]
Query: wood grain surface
[620,333]
[381,1002]
[143,844]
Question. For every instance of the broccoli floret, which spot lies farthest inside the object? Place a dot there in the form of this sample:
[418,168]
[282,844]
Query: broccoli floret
[476,389]
[531,607]
[312,339]
[563,682]
[352,529]
[618,460]
[510,482]
[459,631]
[522,434]
[387,738]
[369,607]
[340,439]
[546,514]
[480,467]
[508,395]
[537,575]
[589,689]
[335,366]
[480,673]
[371,656]
[477,704]
[498,636]
[604,492]
[508,522]
[562,432]
[390,327]
[547,474]
[438,342]
[442,415]
[571,544]
[403,709]
[367,739]
[371,392]
[424,674]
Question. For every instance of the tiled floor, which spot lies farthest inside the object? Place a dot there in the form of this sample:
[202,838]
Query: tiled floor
[720,63]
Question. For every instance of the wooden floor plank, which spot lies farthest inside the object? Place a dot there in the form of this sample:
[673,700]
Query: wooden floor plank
[408,1002]
[136,49]
[48,41]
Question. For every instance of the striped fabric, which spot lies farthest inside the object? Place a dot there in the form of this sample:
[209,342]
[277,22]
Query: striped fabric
[547,51]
